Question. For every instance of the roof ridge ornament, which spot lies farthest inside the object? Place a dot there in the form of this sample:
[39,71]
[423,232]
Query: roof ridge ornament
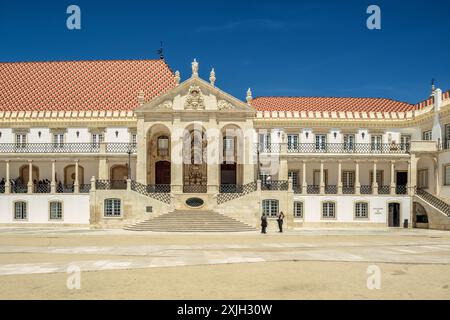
[195,68]
[212,77]
[177,77]
[249,96]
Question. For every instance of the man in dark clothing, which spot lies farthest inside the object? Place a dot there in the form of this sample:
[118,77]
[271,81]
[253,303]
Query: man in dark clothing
[280,221]
[263,224]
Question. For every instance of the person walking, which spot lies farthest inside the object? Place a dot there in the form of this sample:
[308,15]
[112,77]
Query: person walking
[263,223]
[280,221]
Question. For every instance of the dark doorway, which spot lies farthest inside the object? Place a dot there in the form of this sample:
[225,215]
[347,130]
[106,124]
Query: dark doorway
[162,172]
[402,181]
[394,215]
[228,173]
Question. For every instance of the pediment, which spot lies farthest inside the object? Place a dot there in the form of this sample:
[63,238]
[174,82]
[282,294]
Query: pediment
[195,95]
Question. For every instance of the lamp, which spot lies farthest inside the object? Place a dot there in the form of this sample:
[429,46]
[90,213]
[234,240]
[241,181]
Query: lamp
[363,135]
[78,134]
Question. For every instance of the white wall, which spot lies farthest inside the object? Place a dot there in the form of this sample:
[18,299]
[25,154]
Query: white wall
[312,206]
[75,208]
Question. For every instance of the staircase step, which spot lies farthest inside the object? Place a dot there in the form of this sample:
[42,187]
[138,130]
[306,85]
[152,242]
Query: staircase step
[191,221]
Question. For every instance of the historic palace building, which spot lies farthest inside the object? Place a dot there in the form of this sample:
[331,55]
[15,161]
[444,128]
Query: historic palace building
[127,144]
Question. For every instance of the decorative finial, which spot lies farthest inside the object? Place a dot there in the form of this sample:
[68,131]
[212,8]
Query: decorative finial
[160,51]
[433,87]
[195,68]
[249,96]
[212,77]
[177,77]
[141,98]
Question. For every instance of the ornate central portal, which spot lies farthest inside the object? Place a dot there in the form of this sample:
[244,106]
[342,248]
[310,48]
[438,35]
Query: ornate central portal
[195,177]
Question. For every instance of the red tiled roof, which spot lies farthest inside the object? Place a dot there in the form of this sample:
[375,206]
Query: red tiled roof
[81,85]
[329,104]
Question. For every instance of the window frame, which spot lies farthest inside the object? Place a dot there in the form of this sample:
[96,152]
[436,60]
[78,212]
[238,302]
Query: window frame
[292,141]
[270,207]
[113,208]
[50,203]
[425,174]
[295,209]
[26,210]
[327,204]
[445,174]
[355,210]
[427,135]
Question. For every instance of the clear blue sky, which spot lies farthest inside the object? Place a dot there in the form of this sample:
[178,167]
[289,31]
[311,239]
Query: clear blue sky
[280,48]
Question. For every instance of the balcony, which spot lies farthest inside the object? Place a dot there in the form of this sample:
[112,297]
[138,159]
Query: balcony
[27,148]
[336,148]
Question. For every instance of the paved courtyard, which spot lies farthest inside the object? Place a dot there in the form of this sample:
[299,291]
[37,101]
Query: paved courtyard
[303,264]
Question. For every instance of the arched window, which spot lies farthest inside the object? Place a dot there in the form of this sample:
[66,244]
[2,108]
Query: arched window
[270,208]
[361,210]
[20,210]
[55,209]
[328,210]
[112,208]
[298,209]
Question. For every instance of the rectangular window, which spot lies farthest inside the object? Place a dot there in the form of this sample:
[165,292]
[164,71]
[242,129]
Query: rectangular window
[163,146]
[264,142]
[134,139]
[58,140]
[349,142]
[376,143]
[97,138]
[361,210]
[264,176]
[321,142]
[55,210]
[405,142]
[426,135]
[112,208]
[20,210]
[447,175]
[21,140]
[348,179]
[228,146]
[379,177]
[422,179]
[328,210]
[292,140]
[294,176]
[270,208]
[298,209]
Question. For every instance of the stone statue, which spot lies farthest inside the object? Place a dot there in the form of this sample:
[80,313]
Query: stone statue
[195,68]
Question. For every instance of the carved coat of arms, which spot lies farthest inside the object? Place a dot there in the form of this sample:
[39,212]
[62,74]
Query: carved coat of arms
[194,100]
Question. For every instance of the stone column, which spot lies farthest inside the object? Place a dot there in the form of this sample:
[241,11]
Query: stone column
[248,158]
[339,184]
[176,162]
[357,183]
[76,184]
[8,178]
[393,177]
[30,176]
[141,157]
[322,182]
[304,183]
[213,165]
[374,179]
[412,174]
[53,181]
[103,173]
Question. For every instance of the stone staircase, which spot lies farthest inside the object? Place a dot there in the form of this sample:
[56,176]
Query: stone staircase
[191,221]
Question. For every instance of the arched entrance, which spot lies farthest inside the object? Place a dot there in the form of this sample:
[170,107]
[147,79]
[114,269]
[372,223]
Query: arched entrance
[195,159]
[162,172]
[69,175]
[24,173]
[231,158]
[158,155]
[420,216]
[394,215]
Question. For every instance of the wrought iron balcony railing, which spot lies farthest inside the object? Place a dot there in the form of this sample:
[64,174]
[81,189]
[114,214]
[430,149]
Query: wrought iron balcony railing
[67,147]
[401,189]
[384,189]
[348,190]
[65,188]
[242,190]
[2,188]
[195,188]
[313,189]
[366,189]
[434,201]
[158,192]
[231,188]
[111,184]
[274,185]
[331,189]
[297,189]
[345,148]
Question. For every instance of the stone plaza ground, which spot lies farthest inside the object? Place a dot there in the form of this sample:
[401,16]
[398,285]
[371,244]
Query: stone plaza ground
[301,264]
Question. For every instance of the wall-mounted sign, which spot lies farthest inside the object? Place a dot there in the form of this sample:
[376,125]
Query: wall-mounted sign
[378,210]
